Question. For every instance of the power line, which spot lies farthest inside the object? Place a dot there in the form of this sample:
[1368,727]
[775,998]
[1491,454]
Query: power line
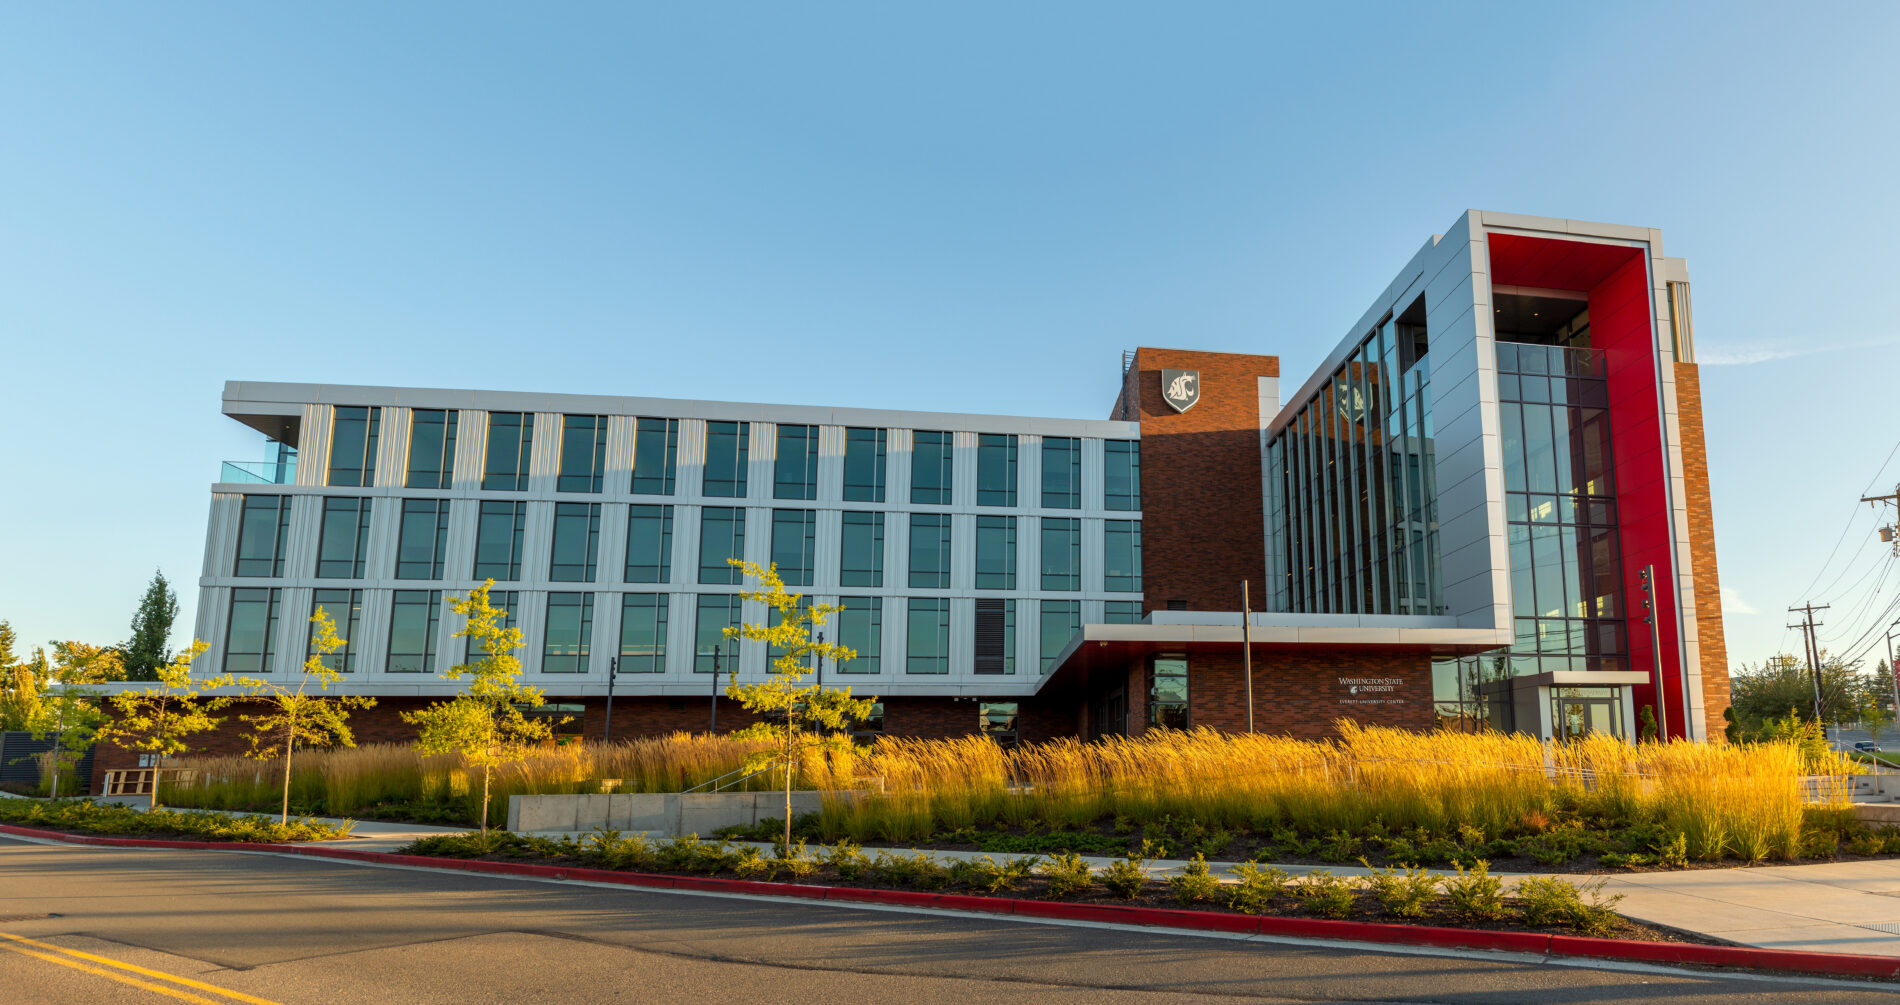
[1822,571]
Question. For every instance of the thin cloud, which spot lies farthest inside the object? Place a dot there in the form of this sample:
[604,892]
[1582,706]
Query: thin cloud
[1732,602]
[1745,353]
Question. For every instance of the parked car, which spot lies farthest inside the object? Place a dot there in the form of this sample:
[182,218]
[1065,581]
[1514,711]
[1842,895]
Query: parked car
[1867,746]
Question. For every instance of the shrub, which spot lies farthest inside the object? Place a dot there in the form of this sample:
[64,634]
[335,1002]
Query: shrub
[1819,844]
[1326,895]
[1674,854]
[1067,875]
[1476,894]
[103,818]
[1257,887]
[1547,900]
[848,860]
[797,860]
[1125,877]
[1339,846]
[1406,894]
[750,863]
[1597,915]
[917,870]
[989,875]
[1196,884]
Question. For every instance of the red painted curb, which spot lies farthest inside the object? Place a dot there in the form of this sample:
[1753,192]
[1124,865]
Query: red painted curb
[1795,961]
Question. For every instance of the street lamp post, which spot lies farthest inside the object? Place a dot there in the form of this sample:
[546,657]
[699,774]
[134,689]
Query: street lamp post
[613,669]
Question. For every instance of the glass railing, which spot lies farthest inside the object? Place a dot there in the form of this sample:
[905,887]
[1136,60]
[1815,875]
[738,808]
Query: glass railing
[260,472]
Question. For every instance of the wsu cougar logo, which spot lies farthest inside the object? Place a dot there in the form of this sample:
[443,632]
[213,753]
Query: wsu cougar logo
[1181,388]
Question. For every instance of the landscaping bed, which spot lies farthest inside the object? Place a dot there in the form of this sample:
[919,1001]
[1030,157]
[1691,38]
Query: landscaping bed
[1474,899]
[85,817]
[1573,844]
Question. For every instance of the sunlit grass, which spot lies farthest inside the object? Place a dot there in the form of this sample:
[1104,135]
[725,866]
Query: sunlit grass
[1745,802]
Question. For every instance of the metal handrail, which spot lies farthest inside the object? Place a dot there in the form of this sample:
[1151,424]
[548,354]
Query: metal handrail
[720,784]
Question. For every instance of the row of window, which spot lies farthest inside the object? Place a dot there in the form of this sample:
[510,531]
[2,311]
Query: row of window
[583,459]
[567,636]
[422,544]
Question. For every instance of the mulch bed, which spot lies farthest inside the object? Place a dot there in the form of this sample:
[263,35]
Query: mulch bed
[1366,907]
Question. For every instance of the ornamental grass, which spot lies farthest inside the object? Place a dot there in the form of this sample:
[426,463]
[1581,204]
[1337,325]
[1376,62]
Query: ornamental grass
[1752,802]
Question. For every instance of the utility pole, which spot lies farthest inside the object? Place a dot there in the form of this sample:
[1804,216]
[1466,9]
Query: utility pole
[1893,672]
[1807,626]
[1889,533]
[1246,649]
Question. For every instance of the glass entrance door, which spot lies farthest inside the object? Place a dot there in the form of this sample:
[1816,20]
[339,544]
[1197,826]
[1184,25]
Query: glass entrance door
[1580,711]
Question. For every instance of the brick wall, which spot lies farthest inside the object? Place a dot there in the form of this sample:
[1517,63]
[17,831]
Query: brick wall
[1202,522]
[1299,694]
[1708,584]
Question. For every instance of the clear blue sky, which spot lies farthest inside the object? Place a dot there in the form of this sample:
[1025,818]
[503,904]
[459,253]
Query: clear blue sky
[973,208]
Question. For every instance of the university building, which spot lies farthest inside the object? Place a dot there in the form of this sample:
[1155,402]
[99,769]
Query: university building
[1489,507]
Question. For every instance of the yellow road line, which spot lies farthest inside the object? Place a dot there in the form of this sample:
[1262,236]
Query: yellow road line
[121,978]
[134,968]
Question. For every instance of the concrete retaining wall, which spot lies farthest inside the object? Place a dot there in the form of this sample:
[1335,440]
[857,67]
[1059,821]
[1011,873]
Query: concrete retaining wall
[669,814]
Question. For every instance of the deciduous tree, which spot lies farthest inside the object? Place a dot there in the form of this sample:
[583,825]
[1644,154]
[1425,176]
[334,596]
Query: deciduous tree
[484,722]
[794,716]
[297,716]
[160,721]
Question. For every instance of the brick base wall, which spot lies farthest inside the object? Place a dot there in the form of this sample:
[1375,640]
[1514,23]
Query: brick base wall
[1300,695]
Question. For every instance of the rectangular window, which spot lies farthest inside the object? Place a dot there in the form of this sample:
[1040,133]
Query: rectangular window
[250,635]
[861,629]
[795,469]
[345,608]
[353,432]
[864,464]
[996,469]
[510,448]
[1061,554]
[794,541]
[995,636]
[1061,472]
[570,630]
[927,649]
[583,453]
[1123,471]
[728,451]
[1122,569]
[423,539]
[498,540]
[869,728]
[649,544]
[576,542]
[716,613]
[1168,702]
[1122,612]
[656,452]
[508,604]
[563,719]
[413,622]
[997,720]
[1061,619]
[643,633]
[930,551]
[721,537]
[345,539]
[930,468]
[996,553]
[263,528]
[431,448]
[861,561]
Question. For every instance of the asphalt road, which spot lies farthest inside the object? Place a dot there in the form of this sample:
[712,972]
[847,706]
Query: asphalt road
[252,928]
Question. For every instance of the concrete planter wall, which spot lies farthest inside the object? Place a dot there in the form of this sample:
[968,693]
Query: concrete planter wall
[670,814]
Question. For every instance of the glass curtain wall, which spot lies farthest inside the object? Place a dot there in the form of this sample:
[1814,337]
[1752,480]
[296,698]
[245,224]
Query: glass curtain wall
[1560,522]
[1354,506]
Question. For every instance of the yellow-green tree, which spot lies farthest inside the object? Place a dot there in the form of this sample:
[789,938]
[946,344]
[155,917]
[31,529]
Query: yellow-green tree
[72,711]
[484,722]
[793,715]
[160,720]
[294,714]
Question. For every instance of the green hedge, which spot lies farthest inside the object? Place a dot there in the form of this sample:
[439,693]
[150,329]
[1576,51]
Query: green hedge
[98,818]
